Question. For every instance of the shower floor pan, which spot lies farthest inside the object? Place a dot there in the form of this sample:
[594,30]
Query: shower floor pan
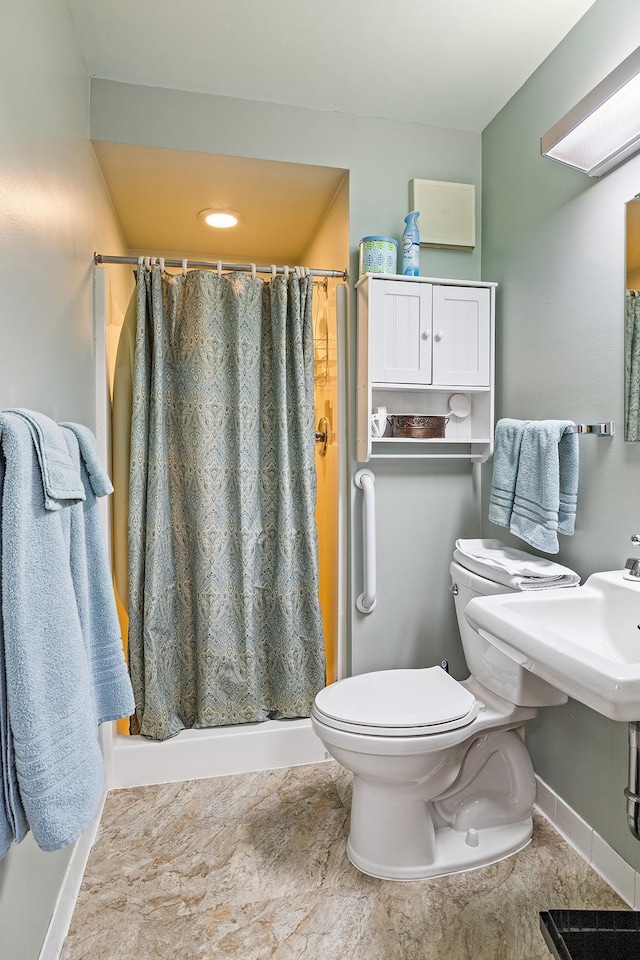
[592,934]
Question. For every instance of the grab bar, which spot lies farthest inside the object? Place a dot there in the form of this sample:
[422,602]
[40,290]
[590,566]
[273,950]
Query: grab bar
[366,601]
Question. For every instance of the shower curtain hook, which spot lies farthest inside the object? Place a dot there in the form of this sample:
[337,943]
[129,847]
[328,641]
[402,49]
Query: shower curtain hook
[184,268]
[274,271]
[298,272]
[147,262]
[253,271]
[161,264]
[219,268]
[286,273]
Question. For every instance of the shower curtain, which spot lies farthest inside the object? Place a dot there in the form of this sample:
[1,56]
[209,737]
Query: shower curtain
[225,623]
[632,366]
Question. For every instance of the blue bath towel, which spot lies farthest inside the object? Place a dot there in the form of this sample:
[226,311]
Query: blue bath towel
[86,443]
[13,821]
[58,763]
[506,457]
[547,484]
[61,482]
[112,693]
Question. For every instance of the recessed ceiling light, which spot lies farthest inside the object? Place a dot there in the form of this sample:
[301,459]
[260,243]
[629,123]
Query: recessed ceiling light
[220,217]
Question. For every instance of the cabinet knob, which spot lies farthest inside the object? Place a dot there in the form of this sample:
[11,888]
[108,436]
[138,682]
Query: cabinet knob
[440,335]
[425,334]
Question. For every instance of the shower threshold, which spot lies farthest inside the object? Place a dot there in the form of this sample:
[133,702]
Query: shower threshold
[215,752]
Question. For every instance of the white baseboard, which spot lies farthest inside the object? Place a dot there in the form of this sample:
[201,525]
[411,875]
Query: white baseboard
[214,752]
[72,880]
[620,875]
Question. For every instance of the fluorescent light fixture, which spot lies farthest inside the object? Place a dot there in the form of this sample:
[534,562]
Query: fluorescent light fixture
[220,217]
[603,130]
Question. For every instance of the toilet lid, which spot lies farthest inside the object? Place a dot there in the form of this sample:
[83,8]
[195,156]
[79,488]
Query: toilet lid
[397,703]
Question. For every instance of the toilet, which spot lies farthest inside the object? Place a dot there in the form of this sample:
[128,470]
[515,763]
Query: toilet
[442,780]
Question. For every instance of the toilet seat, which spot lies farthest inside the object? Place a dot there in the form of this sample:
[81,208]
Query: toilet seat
[396,703]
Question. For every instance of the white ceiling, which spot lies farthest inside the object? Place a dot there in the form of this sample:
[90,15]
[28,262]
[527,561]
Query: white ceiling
[453,63]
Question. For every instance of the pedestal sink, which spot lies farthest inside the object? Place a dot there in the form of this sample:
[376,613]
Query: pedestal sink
[585,641]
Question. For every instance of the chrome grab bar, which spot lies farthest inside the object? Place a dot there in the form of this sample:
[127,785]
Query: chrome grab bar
[366,601]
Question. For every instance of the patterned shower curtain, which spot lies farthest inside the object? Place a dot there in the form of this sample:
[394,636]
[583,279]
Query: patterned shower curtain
[632,366]
[225,623]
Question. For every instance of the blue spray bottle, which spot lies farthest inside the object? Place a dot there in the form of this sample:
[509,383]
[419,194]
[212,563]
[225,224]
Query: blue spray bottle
[411,245]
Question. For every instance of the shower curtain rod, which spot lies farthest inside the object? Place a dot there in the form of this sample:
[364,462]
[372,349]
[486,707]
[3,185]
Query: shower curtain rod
[99,258]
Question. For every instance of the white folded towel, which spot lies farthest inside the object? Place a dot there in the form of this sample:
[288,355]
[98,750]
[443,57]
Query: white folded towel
[514,568]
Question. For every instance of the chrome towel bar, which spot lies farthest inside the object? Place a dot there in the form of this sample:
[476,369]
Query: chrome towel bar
[606,429]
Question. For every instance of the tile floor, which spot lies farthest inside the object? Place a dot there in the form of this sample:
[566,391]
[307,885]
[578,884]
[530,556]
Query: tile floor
[253,866]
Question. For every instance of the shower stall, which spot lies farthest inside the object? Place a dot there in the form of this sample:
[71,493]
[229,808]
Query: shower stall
[134,760]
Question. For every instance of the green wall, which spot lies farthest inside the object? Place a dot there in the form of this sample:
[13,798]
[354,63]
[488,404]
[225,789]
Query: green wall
[55,212]
[554,240]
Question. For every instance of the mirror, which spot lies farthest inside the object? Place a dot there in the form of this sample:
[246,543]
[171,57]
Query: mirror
[632,322]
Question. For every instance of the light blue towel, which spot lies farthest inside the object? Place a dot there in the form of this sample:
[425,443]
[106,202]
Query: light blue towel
[86,442]
[508,440]
[547,484]
[58,764]
[13,821]
[61,481]
[112,693]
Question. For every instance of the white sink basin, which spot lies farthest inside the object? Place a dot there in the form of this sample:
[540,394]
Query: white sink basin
[585,641]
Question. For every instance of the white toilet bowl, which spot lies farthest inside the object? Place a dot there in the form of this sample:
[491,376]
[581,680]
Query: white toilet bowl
[442,779]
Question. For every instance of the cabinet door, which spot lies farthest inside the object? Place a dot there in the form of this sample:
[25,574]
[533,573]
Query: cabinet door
[461,336]
[400,331]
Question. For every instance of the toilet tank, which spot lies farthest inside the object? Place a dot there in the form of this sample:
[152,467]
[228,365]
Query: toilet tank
[489,666]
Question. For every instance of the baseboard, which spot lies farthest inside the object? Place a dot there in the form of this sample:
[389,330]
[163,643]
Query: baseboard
[69,890]
[215,752]
[620,875]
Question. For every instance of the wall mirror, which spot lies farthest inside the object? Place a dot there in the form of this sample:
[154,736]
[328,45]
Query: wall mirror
[632,322]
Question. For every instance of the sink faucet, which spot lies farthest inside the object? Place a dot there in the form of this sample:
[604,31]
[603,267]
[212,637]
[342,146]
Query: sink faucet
[632,565]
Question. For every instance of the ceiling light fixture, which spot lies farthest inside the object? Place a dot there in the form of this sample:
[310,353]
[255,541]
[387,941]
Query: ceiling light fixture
[220,217]
[603,130]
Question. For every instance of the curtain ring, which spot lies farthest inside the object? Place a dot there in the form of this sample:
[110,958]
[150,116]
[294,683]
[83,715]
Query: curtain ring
[184,268]
[273,271]
[253,271]
[286,273]
[298,271]
[147,262]
[161,264]
[219,268]
[140,263]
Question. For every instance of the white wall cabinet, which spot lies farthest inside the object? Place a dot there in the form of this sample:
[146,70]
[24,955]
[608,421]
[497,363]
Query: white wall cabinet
[420,342]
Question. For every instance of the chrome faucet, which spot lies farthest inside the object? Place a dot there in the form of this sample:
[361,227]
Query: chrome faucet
[632,565]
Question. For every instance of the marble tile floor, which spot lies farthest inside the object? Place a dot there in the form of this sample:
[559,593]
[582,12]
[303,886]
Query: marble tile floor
[253,866]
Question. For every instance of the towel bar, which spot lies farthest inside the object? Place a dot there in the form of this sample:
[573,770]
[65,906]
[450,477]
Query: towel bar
[606,429]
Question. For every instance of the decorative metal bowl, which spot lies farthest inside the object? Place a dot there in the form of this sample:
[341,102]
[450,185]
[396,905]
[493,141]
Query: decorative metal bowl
[418,427]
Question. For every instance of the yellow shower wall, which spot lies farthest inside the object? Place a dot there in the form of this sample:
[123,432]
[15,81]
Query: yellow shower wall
[330,248]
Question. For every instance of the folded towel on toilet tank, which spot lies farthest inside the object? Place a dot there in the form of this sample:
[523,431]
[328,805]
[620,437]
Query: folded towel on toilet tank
[511,567]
